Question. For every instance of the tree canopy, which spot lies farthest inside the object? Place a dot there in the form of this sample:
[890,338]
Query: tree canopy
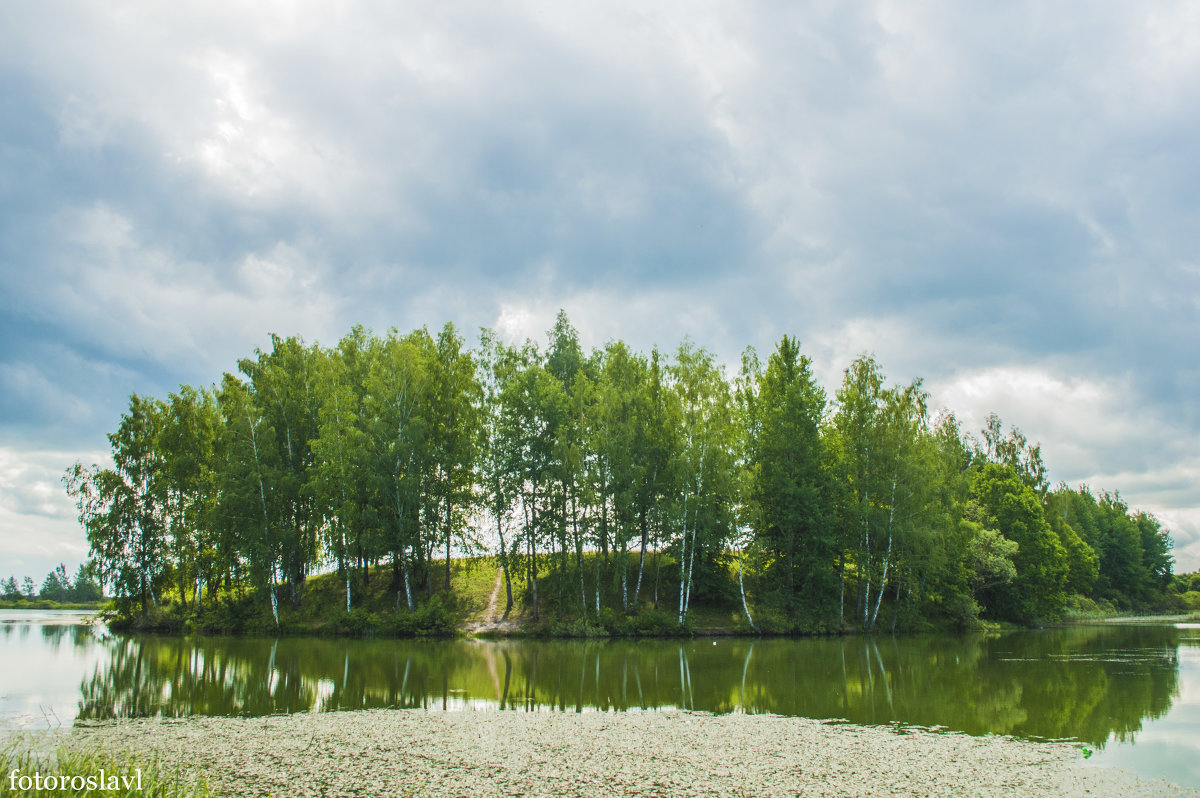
[612,479]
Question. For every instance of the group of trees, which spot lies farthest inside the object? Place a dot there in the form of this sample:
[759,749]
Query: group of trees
[57,586]
[610,478]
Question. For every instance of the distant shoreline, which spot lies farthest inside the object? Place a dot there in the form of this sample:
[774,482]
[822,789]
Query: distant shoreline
[25,604]
[412,752]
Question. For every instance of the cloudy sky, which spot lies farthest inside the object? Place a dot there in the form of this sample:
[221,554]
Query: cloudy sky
[1002,198]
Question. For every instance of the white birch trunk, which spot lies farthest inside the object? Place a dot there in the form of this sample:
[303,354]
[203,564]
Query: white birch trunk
[888,556]
[682,560]
[274,598]
[745,606]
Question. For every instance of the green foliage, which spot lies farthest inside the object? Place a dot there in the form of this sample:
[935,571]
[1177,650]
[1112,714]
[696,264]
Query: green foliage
[789,486]
[57,585]
[990,557]
[645,623]
[433,618]
[580,628]
[1008,504]
[85,587]
[1082,607]
[359,474]
[653,623]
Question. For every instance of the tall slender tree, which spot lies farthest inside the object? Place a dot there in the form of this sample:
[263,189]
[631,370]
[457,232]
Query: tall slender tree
[790,486]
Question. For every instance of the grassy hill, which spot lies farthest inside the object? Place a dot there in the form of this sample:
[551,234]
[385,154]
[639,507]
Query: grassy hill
[473,604]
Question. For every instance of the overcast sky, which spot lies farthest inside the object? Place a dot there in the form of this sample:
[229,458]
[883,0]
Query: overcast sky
[1001,198]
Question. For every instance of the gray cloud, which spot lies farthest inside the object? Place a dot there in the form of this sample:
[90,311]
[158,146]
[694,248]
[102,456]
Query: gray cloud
[1001,199]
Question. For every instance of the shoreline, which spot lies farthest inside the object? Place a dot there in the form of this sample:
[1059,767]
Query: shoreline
[665,752]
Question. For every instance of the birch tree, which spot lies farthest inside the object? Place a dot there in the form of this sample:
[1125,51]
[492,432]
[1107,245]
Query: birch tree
[453,414]
[341,469]
[397,436]
[122,508]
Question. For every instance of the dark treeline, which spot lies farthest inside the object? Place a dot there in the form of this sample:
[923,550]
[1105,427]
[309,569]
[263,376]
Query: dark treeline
[616,479]
[58,587]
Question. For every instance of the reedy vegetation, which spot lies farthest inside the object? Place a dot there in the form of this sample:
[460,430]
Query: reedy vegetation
[95,772]
[809,514]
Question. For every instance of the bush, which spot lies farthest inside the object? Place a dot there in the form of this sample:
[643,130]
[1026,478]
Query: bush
[158,619]
[580,627]
[771,621]
[1083,607]
[431,619]
[227,614]
[654,623]
[356,623]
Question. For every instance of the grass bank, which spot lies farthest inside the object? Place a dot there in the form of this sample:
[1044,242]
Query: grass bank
[474,602]
[472,599]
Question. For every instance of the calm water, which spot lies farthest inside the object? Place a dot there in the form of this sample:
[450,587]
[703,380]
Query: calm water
[1131,694]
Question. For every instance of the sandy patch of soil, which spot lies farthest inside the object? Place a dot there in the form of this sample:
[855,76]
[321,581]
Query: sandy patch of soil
[492,620]
[671,753]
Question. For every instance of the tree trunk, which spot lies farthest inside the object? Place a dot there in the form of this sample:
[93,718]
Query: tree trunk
[657,553]
[578,553]
[533,575]
[683,560]
[745,606]
[504,565]
[896,607]
[624,577]
[447,545]
[886,557]
[842,579]
[641,559]
[687,598]
[274,598]
[407,579]
[603,517]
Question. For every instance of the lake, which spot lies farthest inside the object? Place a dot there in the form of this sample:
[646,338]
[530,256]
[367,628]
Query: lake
[1130,694]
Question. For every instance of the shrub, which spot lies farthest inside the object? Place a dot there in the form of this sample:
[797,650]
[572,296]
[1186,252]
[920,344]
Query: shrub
[431,619]
[654,623]
[356,623]
[580,627]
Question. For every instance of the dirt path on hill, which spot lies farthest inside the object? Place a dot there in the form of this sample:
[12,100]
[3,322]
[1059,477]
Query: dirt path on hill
[491,620]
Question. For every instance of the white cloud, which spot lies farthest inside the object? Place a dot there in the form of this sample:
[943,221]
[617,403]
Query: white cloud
[1184,525]
[1084,424]
[1101,433]
[38,523]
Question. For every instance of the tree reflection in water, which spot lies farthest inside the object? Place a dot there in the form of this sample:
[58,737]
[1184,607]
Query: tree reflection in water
[1085,682]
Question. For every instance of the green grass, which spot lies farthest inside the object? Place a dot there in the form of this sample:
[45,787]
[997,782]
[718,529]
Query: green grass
[19,764]
[440,612]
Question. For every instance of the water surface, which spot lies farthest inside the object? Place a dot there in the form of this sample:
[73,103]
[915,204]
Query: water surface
[1130,695]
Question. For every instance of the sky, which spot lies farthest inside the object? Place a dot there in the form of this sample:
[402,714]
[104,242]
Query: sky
[1000,198]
